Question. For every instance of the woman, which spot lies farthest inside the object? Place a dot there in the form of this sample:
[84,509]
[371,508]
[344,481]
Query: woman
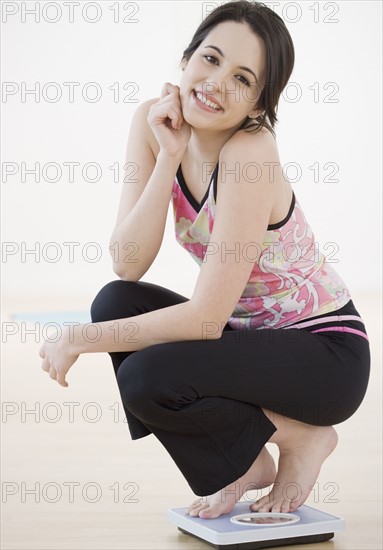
[270,347]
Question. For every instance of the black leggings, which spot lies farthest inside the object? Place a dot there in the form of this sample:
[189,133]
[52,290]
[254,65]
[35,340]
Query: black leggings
[202,399]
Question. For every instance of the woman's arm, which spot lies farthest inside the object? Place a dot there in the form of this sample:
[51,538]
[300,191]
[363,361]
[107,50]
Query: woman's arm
[142,213]
[144,202]
[136,241]
[175,323]
[170,324]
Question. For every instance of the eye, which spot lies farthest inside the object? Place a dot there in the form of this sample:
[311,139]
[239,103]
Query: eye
[211,56]
[245,81]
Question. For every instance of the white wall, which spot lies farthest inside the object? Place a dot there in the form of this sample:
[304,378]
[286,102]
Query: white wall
[147,53]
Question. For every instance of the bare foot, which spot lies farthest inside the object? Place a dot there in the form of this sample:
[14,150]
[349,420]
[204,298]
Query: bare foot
[298,468]
[260,474]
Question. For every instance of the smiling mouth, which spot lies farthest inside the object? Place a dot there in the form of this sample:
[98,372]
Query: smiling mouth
[206,103]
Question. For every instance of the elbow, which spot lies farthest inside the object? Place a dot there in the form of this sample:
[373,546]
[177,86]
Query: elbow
[207,322]
[124,275]
[212,331]
[123,270]
[207,326]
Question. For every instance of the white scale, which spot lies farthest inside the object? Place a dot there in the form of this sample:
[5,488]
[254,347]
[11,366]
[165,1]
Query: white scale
[246,530]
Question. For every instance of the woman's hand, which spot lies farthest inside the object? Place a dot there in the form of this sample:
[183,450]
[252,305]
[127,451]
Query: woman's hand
[166,120]
[58,357]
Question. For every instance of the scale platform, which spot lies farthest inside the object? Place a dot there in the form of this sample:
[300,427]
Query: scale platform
[243,529]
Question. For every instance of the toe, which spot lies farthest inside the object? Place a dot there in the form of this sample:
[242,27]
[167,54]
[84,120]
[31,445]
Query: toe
[266,507]
[277,506]
[197,502]
[195,505]
[209,513]
[256,505]
[198,509]
[286,506]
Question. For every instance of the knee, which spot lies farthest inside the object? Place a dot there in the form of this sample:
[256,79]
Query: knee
[110,301]
[135,389]
[142,386]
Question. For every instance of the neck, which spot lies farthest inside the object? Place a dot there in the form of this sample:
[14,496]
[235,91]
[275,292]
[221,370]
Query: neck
[205,145]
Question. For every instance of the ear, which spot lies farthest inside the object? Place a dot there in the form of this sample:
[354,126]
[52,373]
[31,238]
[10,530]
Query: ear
[255,113]
[183,64]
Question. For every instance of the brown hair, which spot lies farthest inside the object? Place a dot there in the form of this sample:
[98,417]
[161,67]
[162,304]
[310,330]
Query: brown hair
[279,47]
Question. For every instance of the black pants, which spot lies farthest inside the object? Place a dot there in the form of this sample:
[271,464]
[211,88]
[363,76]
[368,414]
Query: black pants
[202,399]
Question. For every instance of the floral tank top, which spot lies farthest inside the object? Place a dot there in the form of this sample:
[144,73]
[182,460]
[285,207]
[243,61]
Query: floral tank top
[290,280]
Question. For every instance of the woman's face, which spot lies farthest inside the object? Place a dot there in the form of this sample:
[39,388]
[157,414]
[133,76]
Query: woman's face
[224,77]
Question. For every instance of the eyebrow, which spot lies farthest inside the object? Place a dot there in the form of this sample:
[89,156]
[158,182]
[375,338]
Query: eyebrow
[243,68]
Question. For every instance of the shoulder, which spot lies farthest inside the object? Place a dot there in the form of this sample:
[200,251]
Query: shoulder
[253,157]
[145,105]
[253,144]
[140,116]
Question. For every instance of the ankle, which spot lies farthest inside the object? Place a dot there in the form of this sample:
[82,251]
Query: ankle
[308,436]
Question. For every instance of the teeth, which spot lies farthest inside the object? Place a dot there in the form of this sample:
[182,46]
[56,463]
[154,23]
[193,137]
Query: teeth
[207,102]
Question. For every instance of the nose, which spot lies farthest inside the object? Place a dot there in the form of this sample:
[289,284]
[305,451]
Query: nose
[222,86]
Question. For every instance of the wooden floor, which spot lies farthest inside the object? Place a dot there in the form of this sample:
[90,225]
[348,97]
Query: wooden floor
[75,480]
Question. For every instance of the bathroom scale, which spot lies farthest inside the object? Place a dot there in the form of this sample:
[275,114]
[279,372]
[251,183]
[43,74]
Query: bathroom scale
[243,529]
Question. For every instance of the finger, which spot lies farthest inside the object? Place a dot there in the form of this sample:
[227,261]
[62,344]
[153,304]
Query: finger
[175,115]
[42,352]
[52,373]
[45,365]
[165,112]
[167,89]
[61,379]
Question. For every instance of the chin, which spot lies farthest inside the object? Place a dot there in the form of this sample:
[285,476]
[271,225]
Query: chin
[197,120]
[197,125]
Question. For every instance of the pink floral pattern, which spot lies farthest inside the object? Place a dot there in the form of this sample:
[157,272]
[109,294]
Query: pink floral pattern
[290,280]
